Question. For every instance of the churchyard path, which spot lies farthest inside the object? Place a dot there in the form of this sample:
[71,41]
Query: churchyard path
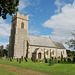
[19,71]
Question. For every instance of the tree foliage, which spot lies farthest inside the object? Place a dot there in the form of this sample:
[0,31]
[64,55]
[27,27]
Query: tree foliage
[1,47]
[8,6]
[3,51]
[71,42]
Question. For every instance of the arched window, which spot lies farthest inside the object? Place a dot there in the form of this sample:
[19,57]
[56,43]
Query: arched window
[53,52]
[22,25]
[63,51]
[47,52]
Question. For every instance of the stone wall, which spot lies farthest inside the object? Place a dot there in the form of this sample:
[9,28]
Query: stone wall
[18,36]
[32,49]
[20,43]
[63,52]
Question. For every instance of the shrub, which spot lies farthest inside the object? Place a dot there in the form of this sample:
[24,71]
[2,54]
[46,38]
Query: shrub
[68,59]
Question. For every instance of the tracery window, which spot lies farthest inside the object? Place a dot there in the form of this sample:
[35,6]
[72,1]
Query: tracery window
[22,25]
[53,52]
[47,52]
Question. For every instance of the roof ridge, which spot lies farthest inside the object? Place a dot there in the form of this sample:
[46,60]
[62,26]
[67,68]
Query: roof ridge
[39,36]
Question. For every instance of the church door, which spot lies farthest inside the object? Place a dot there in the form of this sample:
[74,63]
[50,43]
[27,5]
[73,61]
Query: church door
[39,55]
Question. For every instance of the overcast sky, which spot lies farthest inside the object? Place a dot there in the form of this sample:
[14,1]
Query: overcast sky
[54,18]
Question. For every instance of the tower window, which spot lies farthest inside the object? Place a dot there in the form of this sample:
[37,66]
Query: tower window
[22,25]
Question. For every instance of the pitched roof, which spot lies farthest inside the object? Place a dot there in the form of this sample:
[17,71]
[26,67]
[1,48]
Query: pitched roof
[40,41]
[59,45]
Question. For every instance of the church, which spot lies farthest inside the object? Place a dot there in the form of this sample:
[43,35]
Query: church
[23,44]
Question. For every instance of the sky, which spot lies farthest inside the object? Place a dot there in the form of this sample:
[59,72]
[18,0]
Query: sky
[54,18]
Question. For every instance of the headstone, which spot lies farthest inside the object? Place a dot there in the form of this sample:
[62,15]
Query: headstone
[40,61]
[25,59]
[55,61]
[61,56]
[11,59]
[19,60]
[74,59]
[45,60]
[32,58]
[52,58]
[65,59]
[58,61]
[69,60]
[37,60]
[7,58]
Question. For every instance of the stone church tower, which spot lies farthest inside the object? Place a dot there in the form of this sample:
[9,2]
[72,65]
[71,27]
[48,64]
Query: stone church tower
[18,36]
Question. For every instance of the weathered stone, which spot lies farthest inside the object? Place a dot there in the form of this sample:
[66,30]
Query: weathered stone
[65,59]
[55,61]
[74,59]
[46,60]
[22,44]
[19,60]
[25,59]
[11,59]
[68,59]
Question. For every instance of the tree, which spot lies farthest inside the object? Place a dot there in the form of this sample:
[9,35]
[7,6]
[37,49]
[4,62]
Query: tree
[1,53]
[71,42]
[1,47]
[7,47]
[8,6]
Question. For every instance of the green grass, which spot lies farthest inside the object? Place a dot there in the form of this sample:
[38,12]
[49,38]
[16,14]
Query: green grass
[6,72]
[62,68]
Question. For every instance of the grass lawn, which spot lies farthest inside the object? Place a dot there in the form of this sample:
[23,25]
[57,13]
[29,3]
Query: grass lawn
[62,68]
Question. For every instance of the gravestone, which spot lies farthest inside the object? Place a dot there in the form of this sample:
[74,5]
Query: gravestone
[19,60]
[55,61]
[52,58]
[74,59]
[7,58]
[58,61]
[40,61]
[37,60]
[61,56]
[65,59]
[32,58]
[25,59]
[11,59]
[45,60]
[68,59]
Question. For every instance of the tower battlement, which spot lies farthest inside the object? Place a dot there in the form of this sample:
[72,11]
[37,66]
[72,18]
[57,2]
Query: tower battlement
[21,16]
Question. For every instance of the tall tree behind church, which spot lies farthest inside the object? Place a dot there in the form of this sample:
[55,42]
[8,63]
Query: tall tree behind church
[8,7]
[71,42]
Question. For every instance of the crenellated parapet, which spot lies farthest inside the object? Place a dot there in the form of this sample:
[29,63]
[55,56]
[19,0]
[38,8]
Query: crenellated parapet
[21,16]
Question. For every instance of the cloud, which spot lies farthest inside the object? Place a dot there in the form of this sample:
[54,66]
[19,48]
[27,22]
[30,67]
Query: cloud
[25,3]
[59,4]
[4,28]
[33,31]
[62,23]
[4,44]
